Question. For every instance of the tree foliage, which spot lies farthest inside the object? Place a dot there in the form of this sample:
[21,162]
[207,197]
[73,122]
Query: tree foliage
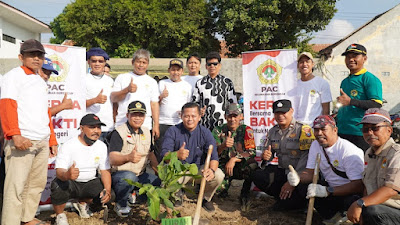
[270,24]
[168,28]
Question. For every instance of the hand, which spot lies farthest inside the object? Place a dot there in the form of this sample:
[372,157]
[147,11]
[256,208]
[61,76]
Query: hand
[156,132]
[100,98]
[73,173]
[286,191]
[208,174]
[354,213]
[105,196]
[316,190]
[164,93]
[292,177]
[53,151]
[343,98]
[203,111]
[67,103]
[134,156]
[229,141]
[183,153]
[267,153]
[132,87]
[21,143]
[230,165]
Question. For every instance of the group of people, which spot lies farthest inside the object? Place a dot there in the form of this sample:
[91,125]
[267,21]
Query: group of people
[132,122]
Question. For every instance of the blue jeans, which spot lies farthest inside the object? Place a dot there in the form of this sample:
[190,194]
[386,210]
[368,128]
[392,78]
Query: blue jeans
[380,214]
[122,189]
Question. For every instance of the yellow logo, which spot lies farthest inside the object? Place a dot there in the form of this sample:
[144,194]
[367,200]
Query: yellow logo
[294,152]
[61,66]
[97,159]
[336,163]
[138,105]
[269,72]
[384,163]
[354,93]
[312,92]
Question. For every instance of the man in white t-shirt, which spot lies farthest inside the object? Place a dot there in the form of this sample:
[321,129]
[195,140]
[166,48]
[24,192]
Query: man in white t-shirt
[98,90]
[342,165]
[313,92]
[193,62]
[76,167]
[174,93]
[138,86]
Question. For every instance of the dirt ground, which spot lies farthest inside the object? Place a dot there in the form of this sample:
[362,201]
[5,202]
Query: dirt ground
[227,212]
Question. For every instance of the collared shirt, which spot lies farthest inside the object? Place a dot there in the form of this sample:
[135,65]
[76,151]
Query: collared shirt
[116,142]
[362,85]
[382,168]
[215,93]
[197,143]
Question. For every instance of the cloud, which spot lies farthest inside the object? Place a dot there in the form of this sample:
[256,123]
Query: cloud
[335,30]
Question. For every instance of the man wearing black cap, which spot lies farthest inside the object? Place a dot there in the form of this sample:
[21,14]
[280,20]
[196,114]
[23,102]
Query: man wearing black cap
[98,90]
[359,91]
[381,201]
[129,154]
[28,131]
[174,93]
[289,141]
[76,168]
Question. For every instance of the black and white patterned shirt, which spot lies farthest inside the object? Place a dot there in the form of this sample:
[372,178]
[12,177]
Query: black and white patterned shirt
[216,94]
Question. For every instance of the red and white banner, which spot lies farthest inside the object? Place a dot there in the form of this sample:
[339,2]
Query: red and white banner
[268,76]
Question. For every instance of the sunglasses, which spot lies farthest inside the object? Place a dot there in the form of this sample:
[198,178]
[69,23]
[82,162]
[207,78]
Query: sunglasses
[375,128]
[95,61]
[214,63]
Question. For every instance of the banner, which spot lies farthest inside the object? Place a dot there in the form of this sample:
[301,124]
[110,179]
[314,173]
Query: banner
[267,76]
[70,62]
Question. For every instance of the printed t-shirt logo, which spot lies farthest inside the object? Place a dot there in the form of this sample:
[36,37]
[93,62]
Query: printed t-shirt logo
[354,93]
[269,72]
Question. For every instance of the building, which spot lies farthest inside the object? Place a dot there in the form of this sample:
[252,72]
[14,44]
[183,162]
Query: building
[381,37]
[15,27]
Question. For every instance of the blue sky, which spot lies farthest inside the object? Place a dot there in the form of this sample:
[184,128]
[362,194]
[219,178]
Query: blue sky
[351,14]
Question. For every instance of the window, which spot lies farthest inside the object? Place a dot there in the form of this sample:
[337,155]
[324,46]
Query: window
[8,38]
[386,74]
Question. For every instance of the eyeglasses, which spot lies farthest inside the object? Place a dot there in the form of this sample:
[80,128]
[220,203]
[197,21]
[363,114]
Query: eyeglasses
[375,128]
[214,63]
[95,61]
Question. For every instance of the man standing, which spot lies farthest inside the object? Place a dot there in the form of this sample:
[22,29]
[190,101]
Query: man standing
[137,85]
[236,150]
[193,62]
[289,140]
[313,92]
[213,93]
[380,204]
[76,168]
[341,165]
[360,91]
[174,93]
[28,131]
[129,155]
[98,90]
[191,141]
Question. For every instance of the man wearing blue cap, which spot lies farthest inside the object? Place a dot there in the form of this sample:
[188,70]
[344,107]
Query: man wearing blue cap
[98,89]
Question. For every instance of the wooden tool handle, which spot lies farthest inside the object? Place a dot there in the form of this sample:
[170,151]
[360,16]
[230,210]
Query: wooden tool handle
[312,199]
[196,218]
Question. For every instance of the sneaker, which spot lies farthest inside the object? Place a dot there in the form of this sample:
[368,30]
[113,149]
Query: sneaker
[337,219]
[132,200]
[122,211]
[208,206]
[180,195]
[83,210]
[61,219]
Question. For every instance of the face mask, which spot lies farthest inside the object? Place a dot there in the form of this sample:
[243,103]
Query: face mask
[88,141]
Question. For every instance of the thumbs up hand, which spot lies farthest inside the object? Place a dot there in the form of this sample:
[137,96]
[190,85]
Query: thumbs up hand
[134,156]
[67,102]
[73,172]
[343,98]
[183,153]
[164,93]
[292,177]
[101,99]
[229,141]
[267,153]
[132,87]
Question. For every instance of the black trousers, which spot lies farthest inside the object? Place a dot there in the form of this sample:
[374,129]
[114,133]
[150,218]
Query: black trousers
[380,215]
[158,143]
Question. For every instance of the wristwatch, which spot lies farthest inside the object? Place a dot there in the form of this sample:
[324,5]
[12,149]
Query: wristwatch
[361,203]
[329,190]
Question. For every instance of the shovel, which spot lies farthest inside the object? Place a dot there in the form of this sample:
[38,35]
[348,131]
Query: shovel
[196,219]
[105,207]
[312,199]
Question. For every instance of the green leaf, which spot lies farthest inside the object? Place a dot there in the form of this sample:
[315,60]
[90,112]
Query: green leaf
[193,169]
[168,203]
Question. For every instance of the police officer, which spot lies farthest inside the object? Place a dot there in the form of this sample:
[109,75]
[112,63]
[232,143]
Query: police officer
[289,141]
[381,201]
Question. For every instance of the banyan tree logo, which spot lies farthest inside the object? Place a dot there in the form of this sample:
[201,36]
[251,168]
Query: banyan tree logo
[269,72]
[61,66]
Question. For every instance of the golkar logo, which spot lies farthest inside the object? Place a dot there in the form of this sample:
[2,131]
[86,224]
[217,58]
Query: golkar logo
[61,66]
[269,72]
